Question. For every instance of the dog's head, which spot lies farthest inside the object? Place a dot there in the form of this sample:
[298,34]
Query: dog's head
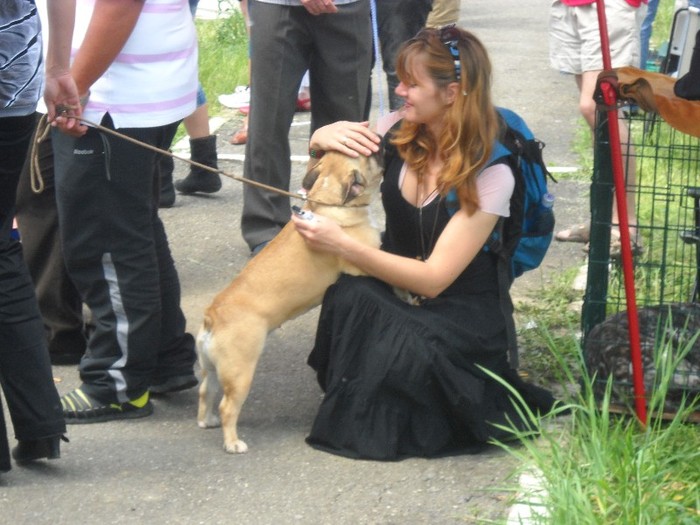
[339,180]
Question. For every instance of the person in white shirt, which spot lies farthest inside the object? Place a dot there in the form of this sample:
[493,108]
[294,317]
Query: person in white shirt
[135,65]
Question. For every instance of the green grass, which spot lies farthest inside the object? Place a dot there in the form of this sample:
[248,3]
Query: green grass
[598,468]
[549,320]
[223,58]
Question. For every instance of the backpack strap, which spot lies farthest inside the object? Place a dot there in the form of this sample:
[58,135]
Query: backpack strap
[503,241]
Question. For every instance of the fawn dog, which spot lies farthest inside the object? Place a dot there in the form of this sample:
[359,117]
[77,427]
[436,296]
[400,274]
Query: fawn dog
[281,282]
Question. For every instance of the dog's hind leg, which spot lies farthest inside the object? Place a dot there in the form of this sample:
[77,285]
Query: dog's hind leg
[209,393]
[209,388]
[236,377]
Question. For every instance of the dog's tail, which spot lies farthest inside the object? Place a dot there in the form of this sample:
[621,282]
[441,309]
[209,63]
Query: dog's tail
[204,341]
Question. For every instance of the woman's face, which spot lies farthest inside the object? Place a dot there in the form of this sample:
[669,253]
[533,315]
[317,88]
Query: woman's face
[425,101]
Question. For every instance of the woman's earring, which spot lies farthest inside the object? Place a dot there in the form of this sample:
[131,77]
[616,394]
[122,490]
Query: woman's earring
[464,92]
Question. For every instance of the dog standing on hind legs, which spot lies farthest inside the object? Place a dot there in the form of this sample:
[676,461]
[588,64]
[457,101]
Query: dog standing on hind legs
[284,280]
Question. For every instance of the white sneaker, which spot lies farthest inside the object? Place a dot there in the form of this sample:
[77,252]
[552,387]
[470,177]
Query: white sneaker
[240,97]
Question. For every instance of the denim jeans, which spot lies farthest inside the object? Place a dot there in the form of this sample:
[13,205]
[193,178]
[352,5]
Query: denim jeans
[645,32]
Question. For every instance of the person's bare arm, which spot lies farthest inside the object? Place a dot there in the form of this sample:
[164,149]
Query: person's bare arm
[60,88]
[461,240]
[110,27]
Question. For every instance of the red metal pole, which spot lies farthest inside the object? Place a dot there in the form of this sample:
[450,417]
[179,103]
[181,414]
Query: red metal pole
[610,99]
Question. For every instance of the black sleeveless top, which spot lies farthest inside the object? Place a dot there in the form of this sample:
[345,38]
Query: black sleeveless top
[406,225]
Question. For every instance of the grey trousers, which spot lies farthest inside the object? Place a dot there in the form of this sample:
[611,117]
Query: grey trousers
[398,21]
[285,42]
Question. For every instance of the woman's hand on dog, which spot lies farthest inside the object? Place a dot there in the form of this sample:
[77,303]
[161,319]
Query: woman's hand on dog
[320,233]
[351,138]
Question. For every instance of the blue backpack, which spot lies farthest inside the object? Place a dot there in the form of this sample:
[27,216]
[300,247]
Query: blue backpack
[523,238]
[520,241]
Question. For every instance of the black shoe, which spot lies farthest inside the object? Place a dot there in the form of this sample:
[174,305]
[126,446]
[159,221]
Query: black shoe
[200,180]
[65,358]
[46,448]
[172,384]
[67,348]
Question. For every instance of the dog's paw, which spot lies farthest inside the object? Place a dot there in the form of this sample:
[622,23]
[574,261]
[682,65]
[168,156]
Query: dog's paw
[238,447]
[209,422]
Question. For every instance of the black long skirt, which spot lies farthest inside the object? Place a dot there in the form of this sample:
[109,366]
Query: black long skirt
[403,380]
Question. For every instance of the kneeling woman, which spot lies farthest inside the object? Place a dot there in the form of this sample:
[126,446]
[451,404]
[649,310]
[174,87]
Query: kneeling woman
[407,379]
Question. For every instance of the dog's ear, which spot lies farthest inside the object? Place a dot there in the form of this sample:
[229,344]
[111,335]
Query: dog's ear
[379,155]
[355,188]
[310,178]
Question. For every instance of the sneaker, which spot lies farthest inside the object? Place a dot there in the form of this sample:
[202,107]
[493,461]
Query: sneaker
[303,104]
[173,384]
[240,97]
[79,408]
[239,137]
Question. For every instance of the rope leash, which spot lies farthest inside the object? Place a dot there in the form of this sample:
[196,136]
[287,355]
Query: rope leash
[43,129]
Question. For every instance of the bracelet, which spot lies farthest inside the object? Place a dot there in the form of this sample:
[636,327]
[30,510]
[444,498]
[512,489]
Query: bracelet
[316,153]
[84,99]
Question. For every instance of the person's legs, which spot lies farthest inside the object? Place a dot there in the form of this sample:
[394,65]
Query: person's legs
[59,300]
[444,12]
[111,245]
[25,370]
[645,32]
[575,48]
[176,352]
[202,151]
[587,84]
[340,65]
[277,67]
[398,21]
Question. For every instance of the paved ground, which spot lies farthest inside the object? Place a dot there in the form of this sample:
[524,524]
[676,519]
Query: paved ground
[164,469]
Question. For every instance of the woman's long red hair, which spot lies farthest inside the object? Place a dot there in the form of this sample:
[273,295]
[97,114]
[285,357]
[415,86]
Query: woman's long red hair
[471,122]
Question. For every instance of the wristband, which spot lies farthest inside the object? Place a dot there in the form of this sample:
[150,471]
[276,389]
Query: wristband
[84,99]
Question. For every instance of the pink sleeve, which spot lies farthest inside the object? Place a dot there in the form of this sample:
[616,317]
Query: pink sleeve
[385,122]
[495,187]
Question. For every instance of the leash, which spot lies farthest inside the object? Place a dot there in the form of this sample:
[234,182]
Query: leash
[40,134]
[43,129]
